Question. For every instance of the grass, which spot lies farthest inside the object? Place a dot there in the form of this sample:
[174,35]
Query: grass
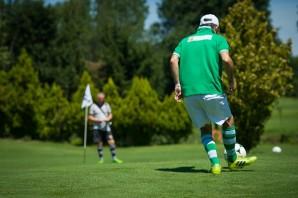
[36,169]
[284,119]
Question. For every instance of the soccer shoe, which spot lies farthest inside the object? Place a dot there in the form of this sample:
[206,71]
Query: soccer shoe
[117,161]
[241,162]
[216,169]
[101,161]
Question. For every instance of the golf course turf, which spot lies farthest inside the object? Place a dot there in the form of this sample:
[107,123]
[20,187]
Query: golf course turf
[38,169]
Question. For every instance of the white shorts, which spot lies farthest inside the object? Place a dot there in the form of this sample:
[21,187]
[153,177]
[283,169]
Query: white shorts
[204,109]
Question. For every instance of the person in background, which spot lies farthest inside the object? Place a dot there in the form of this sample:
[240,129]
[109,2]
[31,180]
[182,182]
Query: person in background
[101,116]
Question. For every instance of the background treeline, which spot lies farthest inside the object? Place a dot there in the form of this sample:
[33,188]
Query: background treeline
[47,53]
[41,111]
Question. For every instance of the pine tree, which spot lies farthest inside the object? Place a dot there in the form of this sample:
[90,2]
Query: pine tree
[139,114]
[19,89]
[117,40]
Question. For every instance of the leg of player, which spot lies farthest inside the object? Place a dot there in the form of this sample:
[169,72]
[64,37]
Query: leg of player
[229,140]
[112,145]
[100,151]
[210,147]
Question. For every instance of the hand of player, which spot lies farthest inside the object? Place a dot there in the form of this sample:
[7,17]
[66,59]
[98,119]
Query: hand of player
[102,120]
[232,86]
[178,93]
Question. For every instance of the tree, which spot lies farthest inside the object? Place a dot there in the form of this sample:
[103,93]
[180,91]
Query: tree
[4,53]
[68,52]
[30,26]
[19,89]
[112,94]
[294,65]
[262,70]
[174,121]
[138,114]
[56,38]
[117,39]
[52,114]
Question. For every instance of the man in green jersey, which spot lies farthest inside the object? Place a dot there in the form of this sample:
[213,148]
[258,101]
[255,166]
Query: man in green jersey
[196,65]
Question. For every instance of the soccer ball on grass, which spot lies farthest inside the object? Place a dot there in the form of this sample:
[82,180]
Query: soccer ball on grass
[240,151]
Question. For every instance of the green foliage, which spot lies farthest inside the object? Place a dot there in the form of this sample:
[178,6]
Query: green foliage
[262,70]
[84,81]
[294,65]
[52,114]
[139,114]
[141,118]
[174,120]
[19,89]
[55,37]
[112,96]
[41,98]
[65,62]
[29,25]
[31,109]
[118,43]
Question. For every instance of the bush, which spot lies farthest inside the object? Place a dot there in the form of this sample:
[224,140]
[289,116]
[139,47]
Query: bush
[138,114]
[262,70]
[141,118]
[174,120]
[41,111]
[52,115]
[19,91]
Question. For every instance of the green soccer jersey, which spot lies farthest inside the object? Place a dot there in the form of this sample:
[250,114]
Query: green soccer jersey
[200,65]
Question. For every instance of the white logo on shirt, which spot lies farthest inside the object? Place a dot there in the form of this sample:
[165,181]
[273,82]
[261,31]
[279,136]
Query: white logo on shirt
[199,38]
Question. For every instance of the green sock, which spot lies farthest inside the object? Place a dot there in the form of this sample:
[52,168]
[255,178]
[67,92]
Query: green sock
[229,140]
[210,148]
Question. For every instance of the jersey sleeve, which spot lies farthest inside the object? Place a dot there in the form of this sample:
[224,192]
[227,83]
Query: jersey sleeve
[109,109]
[223,45]
[178,49]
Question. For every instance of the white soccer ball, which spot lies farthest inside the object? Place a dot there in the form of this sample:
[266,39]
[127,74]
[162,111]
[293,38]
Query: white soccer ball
[240,151]
[276,149]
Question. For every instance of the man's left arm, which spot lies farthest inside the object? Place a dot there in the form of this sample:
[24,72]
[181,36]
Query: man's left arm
[174,62]
[110,115]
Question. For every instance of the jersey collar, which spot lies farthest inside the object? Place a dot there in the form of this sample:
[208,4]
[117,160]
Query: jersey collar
[206,29]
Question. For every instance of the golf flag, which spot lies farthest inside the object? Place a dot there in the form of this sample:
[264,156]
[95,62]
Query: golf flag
[87,100]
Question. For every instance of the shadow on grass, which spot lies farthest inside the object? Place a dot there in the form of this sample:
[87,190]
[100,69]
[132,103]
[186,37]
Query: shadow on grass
[226,169]
[192,169]
[183,169]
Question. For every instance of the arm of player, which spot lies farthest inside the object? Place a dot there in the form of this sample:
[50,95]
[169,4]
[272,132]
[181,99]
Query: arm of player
[229,68]
[174,62]
[109,117]
[95,120]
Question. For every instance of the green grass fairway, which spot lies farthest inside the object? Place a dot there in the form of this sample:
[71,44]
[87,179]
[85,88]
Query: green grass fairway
[284,119]
[36,169]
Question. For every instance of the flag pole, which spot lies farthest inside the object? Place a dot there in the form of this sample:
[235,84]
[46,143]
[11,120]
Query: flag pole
[85,133]
[87,101]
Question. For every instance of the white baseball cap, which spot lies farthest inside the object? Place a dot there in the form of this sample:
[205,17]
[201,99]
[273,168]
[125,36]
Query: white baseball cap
[209,19]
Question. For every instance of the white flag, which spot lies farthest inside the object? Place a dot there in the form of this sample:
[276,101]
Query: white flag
[87,100]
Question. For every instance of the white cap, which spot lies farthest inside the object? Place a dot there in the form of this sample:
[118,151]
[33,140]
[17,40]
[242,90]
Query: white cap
[209,19]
